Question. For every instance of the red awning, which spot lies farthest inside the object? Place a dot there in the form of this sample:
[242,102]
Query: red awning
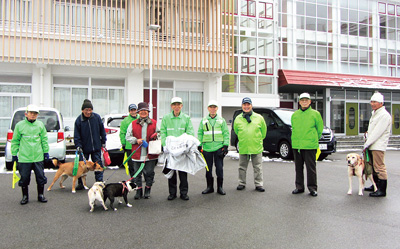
[297,79]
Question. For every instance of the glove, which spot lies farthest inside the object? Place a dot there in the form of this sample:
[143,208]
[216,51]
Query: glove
[46,156]
[223,151]
[79,149]
[14,159]
[200,148]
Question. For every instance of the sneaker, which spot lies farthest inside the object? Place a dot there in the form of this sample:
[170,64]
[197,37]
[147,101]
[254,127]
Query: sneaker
[260,189]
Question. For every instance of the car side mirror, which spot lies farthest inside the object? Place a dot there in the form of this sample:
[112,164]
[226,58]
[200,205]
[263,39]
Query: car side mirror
[67,128]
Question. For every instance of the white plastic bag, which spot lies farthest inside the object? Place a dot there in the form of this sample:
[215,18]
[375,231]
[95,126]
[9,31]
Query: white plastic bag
[154,147]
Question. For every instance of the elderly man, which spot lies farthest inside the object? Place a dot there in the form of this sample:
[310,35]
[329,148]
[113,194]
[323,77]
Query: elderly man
[307,126]
[377,139]
[175,124]
[127,147]
[251,130]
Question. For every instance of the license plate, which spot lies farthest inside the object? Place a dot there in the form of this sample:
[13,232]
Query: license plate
[323,146]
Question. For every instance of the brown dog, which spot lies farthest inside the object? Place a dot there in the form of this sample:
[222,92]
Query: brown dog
[356,168]
[66,169]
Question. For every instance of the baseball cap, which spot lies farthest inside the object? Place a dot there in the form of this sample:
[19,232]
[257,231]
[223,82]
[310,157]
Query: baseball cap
[213,102]
[176,100]
[32,108]
[378,97]
[132,106]
[305,96]
[246,100]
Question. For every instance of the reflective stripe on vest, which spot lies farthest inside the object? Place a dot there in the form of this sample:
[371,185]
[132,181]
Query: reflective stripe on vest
[212,133]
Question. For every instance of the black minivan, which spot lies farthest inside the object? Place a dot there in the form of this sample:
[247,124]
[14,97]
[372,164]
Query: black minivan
[279,132]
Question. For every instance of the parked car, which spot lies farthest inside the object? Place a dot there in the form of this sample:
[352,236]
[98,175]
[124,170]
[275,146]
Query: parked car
[112,123]
[52,120]
[279,132]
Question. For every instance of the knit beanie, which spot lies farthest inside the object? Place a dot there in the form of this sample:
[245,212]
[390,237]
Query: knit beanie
[87,104]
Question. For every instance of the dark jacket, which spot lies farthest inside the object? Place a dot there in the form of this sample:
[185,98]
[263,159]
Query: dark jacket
[89,133]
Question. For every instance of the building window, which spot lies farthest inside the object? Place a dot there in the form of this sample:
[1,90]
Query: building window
[266,66]
[247,84]
[248,65]
[248,8]
[193,103]
[15,92]
[229,83]
[266,10]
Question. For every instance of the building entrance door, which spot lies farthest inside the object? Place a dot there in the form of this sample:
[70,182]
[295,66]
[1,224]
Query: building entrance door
[351,119]
[396,119]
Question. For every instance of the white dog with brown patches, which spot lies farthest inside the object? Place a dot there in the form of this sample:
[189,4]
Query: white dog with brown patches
[96,193]
[356,168]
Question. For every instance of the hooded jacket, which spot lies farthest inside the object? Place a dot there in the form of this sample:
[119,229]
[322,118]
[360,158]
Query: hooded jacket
[379,130]
[89,133]
[29,141]
[251,135]
[307,127]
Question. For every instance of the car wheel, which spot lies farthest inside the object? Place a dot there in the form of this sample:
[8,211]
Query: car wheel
[9,165]
[322,157]
[285,150]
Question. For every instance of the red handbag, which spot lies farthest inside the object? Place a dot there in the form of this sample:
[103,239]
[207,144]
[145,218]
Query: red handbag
[106,156]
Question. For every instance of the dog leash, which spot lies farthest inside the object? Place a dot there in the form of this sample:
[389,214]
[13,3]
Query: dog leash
[133,152]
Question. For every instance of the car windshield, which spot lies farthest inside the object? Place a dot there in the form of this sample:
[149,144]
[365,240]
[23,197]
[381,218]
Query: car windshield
[48,118]
[114,122]
[285,115]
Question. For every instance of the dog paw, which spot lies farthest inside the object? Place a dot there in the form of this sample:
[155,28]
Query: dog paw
[120,202]
[360,194]
[62,187]
[129,205]
[115,209]
[105,209]
[91,210]
[349,193]
[85,187]
[73,191]
[48,189]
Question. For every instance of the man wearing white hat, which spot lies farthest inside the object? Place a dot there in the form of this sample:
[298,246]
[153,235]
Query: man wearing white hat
[213,134]
[175,124]
[29,148]
[307,126]
[377,139]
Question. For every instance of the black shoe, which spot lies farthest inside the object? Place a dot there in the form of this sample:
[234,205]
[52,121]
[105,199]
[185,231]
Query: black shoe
[297,191]
[208,191]
[41,198]
[260,189]
[370,189]
[241,187]
[313,193]
[185,197]
[171,197]
[79,187]
[24,200]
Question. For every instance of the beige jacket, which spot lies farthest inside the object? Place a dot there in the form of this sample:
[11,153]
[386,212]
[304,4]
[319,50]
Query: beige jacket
[379,130]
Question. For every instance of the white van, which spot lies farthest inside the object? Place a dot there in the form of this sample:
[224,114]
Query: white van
[52,120]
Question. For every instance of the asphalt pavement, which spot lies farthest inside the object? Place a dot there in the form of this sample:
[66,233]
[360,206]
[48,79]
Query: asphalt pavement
[240,219]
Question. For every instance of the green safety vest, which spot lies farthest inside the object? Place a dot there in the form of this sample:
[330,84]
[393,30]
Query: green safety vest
[212,133]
